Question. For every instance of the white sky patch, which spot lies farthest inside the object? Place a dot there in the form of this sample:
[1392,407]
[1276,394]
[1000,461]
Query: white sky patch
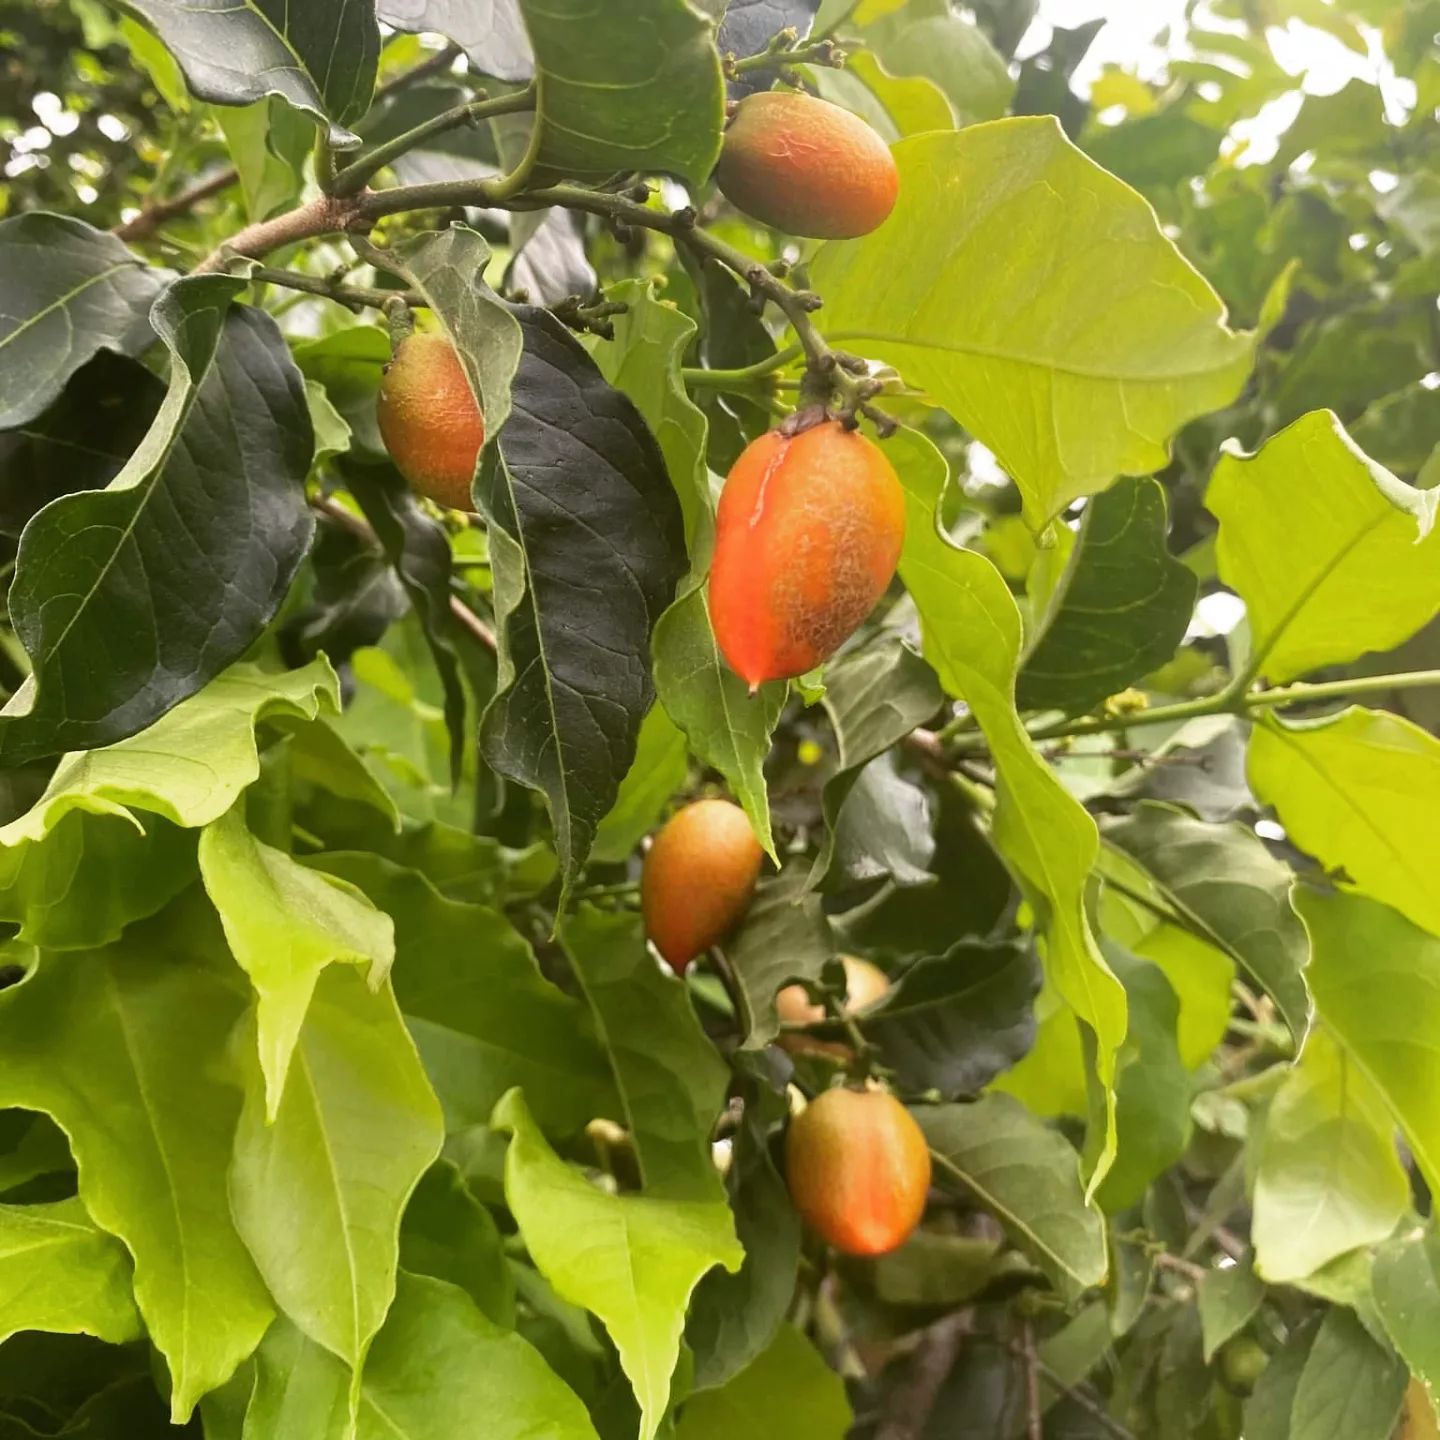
[1216,614]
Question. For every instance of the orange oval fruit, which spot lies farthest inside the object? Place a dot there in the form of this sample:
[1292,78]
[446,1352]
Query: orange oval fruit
[806,167]
[858,1170]
[429,420]
[807,537]
[864,984]
[698,878]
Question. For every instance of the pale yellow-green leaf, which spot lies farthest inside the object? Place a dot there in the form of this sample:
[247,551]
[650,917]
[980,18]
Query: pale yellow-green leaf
[971,631]
[1332,555]
[1360,791]
[1035,297]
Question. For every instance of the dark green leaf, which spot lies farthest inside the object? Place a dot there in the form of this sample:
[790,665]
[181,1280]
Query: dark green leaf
[747,26]
[66,291]
[1226,885]
[81,442]
[131,598]
[883,828]
[1120,609]
[953,1022]
[785,936]
[321,56]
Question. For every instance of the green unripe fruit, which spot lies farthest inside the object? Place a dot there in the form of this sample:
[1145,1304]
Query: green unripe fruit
[806,167]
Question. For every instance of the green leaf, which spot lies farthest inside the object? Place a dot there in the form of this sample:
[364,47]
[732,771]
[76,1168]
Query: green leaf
[659,769]
[883,829]
[437,1370]
[157,770]
[671,1081]
[733,1317]
[971,631]
[1027,1176]
[67,291]
[90,877]
[1328,1177]
[633,1260]
[318,1188]
[953,1022]
[320,56]
[1221,882]
[448,1234]
[1362,551]
[1360,791]
[1350,1386]
[892,105]
[129,599]
[269,143]
[31,1145]
[1102,341]
[786,1391]
[784,936]
[482,1016]
[874,697]
[1229,1299]
[491,32]
[1120,609]
[1152,1111]
[1406,1286]
[350,364]
[1267,1412]
[1375,977]
[285,924]
[61,1274]
[125,1048]
[647,95]
[929,40]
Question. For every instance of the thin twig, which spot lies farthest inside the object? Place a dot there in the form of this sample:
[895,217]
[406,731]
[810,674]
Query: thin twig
[934,1358]
[441,60]
[153,216]
[1034,1416]
[353,296]
[1078,1393]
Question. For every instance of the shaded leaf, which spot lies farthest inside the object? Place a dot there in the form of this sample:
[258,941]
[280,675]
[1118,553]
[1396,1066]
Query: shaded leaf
[746,28]
[1228,1300]
[130,599]
[1119,611]
[1140,346]
[1350,1385]
[491,32]
[1027,1176]
[1361,570]
[1407,1295]
[67,291]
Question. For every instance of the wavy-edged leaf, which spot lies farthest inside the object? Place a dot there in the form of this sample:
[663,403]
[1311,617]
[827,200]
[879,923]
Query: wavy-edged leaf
[1130,341]
[321,56]
[130,599]
[971,631]
[633,1260]
[59,1273]
[1222,882]
[1376,977]
[67,291]
[1027,1176]
[1361,549]
[1120,609]
[1328,1179]
[126,1049]
[1360,791]
[191,765]
[482,1015]
[318,1191]
[644,95]
[285,924]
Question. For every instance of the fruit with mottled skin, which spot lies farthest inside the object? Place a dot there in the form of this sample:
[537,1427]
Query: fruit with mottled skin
[864,984]
[429,420]
[858,1170]
[699,875]
[806,167]
[807,537]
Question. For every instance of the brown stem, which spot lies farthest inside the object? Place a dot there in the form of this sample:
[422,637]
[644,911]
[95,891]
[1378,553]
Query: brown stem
[931,1364]
[154,215]
[1034,1416]
[324,215]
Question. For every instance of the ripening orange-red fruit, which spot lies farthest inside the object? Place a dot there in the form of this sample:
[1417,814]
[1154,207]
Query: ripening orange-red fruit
[807,167]
[699,875]
[858,1170]
[429,420]
[864,984]
[807,537]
